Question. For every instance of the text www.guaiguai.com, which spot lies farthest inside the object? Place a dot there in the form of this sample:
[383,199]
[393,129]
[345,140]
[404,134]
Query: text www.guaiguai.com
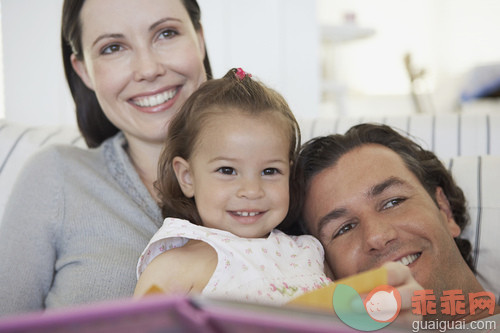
[443,326]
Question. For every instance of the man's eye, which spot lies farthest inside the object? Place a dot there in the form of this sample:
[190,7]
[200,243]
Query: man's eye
[111,49]
[270,172]
[393,203]
[226,171]
[345,228]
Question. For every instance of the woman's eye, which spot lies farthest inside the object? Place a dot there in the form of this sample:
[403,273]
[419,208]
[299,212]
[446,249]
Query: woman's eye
[393,203]
[168,33]
[111,49]
[226,171]
[270,172]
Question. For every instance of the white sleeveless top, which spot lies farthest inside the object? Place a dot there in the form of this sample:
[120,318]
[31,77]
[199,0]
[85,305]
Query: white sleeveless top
[270,270]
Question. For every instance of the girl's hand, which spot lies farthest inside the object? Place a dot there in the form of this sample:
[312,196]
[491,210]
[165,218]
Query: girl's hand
[400,277]
[183,270]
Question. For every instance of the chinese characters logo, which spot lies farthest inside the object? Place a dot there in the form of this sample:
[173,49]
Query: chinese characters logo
[452,302]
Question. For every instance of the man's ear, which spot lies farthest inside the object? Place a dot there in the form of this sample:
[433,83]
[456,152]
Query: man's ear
[445,208]
[81,69]
[183,173]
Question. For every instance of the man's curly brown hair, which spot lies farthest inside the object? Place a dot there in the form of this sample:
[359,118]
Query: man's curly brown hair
[323,152]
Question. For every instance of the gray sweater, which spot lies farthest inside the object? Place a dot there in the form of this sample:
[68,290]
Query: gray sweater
[74,228]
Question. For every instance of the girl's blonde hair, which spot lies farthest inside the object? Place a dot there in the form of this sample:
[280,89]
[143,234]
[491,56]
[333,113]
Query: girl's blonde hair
[235,92]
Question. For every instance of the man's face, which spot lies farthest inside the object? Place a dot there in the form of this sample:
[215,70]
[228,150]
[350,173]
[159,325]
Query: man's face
[369,208]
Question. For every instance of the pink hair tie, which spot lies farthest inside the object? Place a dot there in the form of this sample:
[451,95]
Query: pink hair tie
[240,73]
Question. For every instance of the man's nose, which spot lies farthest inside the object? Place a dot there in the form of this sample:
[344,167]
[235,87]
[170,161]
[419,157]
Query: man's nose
[378,232]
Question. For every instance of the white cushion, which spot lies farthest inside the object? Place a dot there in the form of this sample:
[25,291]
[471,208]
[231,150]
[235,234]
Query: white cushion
[18,142]
[448,135]
[478,176]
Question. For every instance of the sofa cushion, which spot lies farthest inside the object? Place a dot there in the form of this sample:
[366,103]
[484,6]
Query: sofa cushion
[447,135]
[18,142]
[478,178]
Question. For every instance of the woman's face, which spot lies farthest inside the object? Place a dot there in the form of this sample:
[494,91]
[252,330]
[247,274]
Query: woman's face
[143,59]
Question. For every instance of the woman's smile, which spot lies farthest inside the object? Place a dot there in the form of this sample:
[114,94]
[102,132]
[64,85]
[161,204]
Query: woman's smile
[156,102]
[142,64]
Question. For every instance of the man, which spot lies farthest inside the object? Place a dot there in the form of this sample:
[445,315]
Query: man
[374,196]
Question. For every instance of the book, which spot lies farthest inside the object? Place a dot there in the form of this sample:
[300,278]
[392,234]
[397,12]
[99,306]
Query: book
[311,312]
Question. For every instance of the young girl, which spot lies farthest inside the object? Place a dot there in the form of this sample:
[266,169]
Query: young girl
[226,181]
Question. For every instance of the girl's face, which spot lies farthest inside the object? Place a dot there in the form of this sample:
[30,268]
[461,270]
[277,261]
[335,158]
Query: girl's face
[238,173]
[143,59]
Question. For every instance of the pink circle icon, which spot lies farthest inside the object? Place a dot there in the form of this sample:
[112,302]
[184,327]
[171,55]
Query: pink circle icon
[383,303]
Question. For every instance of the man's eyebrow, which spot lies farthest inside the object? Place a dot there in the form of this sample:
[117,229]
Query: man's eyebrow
[381,187]
[330,217]
[372,192]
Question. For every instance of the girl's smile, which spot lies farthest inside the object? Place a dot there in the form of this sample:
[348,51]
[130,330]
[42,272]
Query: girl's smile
[247,217]
[238,173]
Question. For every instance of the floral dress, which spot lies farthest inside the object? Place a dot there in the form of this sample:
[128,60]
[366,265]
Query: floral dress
[270,270]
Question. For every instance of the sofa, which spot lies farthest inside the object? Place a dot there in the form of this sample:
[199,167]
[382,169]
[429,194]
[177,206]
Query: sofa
[467,143]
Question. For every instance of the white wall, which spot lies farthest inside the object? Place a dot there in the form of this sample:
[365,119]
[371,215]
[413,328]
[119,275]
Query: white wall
[446,37]
[276,40]
[35,90]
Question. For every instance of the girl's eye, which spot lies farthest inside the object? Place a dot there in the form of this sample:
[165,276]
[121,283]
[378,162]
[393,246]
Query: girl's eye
[111,49]
[226,171]
[393,203]
[168,33]
[270,172]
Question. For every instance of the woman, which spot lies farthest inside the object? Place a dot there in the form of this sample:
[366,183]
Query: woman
[77,220]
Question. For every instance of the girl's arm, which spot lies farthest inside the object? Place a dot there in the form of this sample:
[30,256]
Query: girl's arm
[182,270]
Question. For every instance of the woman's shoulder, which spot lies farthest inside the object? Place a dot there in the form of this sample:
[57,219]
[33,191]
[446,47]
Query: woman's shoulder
[55,156]
[69,153]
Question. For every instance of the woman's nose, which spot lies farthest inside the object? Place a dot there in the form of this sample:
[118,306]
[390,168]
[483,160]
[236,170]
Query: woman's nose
[148,65]
[250,189]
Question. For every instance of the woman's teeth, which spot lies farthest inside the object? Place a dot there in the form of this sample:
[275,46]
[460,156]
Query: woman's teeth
[409,259]
[155,100]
